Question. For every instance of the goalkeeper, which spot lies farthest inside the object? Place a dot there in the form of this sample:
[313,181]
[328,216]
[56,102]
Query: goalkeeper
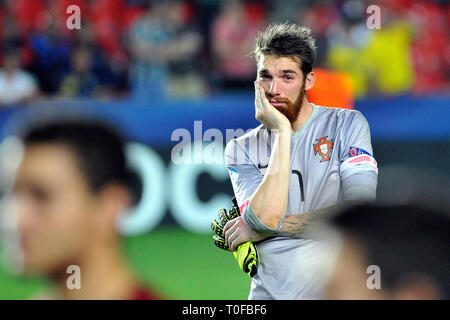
[297,167]
[246,253]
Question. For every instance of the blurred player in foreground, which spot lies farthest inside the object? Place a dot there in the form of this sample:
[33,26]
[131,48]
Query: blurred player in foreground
[409,246]
[68,191]
[316,158]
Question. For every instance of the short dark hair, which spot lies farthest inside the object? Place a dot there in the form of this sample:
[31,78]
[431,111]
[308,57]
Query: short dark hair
[287,39]
[401,240]
[98,147]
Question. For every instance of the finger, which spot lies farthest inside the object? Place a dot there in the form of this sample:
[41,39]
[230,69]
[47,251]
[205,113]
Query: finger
[227,235]
[229,225]
[217,228]
[232,240]
[233,213]
[258,101]
[223,216]
[264,101]
[220,242]
[230,231]
[235,244]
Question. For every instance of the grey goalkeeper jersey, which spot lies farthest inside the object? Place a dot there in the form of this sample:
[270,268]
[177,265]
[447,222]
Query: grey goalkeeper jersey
[331,161]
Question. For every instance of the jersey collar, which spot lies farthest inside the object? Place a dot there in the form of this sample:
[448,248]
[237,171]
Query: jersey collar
[311,117]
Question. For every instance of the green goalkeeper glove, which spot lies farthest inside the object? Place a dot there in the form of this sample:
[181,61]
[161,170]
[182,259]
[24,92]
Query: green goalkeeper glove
[246,253]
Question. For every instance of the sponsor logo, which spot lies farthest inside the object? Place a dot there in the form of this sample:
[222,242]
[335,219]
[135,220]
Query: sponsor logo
[353,152]
[260,166]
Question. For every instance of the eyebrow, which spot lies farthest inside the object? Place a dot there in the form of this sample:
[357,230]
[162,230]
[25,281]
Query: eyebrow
[287,71]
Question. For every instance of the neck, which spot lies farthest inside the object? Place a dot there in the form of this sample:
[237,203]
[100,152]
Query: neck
[104,275]
[305,111]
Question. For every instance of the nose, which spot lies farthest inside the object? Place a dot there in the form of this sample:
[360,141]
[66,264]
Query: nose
[274,89]
[24,215]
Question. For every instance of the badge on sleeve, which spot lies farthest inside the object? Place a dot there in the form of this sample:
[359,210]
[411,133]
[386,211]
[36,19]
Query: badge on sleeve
[353,152]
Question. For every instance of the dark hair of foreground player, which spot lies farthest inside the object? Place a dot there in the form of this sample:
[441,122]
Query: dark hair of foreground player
[409,244]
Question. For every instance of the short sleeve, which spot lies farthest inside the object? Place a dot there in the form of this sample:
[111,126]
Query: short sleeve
[245,176]
[358,168]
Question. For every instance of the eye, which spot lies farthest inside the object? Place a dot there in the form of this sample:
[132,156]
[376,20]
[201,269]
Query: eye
[265,77]
[288,77]
[39,194]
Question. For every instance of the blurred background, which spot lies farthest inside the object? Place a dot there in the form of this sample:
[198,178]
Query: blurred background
[152,67]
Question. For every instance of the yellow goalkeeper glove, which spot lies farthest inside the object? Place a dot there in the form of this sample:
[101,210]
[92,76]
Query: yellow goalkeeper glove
[246,253]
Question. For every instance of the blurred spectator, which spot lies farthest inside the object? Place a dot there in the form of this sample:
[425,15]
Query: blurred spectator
[10,33]
[51,53]
[184,75]
[205,13]
[392,73]
[406,248]
[101,64]
[16,85]
[11,37]
[347,39]
[163,47]
[81,81]
[233,35]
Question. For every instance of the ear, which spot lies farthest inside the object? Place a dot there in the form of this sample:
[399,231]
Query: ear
[114,199]
[310,80]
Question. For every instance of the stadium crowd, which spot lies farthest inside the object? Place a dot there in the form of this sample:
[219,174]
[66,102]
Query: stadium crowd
[191,48]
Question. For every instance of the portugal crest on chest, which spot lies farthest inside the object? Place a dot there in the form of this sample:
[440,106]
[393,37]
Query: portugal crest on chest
[323,147]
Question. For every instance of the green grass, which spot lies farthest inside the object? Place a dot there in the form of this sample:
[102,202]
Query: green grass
[175,262]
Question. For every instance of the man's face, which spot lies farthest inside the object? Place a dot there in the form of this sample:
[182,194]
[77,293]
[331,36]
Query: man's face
[55,208]
[283,83]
